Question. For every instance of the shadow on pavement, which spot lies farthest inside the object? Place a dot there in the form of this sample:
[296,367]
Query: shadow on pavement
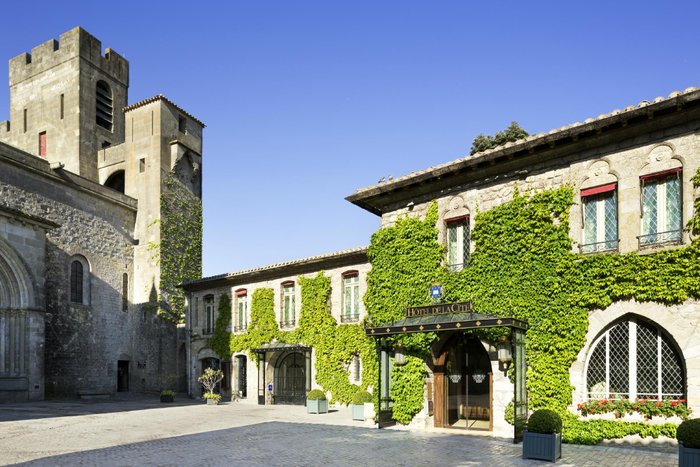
[295,444]
[66,408]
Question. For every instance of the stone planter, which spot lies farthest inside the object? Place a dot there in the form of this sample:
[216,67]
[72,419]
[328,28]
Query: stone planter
[166,399]
[358,412]
[316,406]
[688,457]
[542,446]
[369,411]
[212,402]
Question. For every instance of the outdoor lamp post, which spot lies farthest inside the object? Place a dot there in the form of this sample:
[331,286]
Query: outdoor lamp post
[505,352]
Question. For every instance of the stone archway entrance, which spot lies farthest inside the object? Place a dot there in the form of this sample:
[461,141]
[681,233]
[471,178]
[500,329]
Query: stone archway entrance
[290,380]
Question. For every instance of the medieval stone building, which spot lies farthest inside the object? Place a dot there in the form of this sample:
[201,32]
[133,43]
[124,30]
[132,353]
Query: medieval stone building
[85,179]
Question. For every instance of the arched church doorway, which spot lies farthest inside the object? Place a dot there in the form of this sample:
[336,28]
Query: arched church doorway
[290,379]
[467,383]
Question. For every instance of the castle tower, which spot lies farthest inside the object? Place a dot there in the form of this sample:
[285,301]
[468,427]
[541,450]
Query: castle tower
[162,164]
[66,101]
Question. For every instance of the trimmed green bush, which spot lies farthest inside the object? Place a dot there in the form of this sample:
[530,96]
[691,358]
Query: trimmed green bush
[544,421]
[316,395]
[361,397]
[688,433]
[167,392]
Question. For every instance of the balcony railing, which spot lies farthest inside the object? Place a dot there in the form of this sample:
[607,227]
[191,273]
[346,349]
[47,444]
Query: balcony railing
[288,323]
[240,328]
[608,246]
[350,318]
[672,237]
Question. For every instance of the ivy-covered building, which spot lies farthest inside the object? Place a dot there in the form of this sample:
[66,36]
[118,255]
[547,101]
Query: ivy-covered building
[100,219]
[280,330]
[586,233]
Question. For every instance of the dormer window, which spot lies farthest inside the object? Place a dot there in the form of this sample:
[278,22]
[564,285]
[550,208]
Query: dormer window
[103,105]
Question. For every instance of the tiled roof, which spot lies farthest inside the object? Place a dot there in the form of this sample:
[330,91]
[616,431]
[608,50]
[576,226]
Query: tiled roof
[677,98]
[270,267]
[160,97]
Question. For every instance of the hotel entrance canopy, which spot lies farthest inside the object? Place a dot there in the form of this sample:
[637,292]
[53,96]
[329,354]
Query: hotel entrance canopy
[443,318]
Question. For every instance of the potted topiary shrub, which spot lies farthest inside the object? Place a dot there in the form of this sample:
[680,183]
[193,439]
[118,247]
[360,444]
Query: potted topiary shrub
[358,404]
[316,402]
[166,395]
[688,435]
[542,436]
[211,398]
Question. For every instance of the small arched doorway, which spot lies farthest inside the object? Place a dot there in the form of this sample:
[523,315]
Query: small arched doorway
[241,376]
[467,382]
[290,379]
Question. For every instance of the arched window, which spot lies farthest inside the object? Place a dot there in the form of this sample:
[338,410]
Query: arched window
[79,281]
[103,105]
[636,360]
[116,181]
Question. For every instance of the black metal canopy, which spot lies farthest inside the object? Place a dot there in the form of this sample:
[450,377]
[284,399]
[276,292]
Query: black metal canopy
[445,322]
[279,346]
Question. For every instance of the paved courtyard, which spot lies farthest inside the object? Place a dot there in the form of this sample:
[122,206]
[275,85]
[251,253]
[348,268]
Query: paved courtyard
[144,432]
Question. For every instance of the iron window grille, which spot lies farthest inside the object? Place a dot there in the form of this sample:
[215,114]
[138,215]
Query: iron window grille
[635,360]
[599,212]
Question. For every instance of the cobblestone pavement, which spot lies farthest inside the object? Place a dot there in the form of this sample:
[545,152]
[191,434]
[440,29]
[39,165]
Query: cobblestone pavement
[140,432]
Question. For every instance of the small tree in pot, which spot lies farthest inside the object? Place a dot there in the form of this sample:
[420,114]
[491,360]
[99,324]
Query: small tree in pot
[542,436]
[358,404]
[209,379]
[316,402]
[688,435]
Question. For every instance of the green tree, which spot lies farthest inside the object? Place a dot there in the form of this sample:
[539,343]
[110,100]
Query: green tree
[483,142]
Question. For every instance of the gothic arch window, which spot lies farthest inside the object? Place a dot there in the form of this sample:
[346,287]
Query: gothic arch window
[103,105]
[634,359]
[79,281]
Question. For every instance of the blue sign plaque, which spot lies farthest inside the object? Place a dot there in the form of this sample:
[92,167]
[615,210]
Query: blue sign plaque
[269,387]
[436,292]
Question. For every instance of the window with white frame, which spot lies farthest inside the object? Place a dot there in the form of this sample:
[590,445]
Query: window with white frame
[457,243]
[241,310]
[351,297]
[661,208]
[288,304]
[356,369]
[599,218]
[634,359]
[208,314]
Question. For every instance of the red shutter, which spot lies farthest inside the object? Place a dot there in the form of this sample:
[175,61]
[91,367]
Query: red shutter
[596,190]
[42,144]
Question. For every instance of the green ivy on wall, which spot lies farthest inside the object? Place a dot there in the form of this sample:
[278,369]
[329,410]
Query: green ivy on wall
[522,266]
[219,342]
[179,252]
[334,345]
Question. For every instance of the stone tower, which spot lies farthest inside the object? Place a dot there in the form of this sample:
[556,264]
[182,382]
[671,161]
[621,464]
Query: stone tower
[66,101]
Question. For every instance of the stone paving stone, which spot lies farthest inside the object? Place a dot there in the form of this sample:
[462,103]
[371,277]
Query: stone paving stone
[146,433]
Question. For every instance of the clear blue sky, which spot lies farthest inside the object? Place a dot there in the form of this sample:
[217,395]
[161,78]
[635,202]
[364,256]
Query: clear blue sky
[306,101]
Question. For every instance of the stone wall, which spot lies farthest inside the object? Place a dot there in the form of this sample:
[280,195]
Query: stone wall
[85,341]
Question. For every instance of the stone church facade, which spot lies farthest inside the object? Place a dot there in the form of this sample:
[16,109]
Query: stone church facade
[82,178]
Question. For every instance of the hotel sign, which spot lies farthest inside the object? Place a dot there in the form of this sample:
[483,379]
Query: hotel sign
[442,309]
